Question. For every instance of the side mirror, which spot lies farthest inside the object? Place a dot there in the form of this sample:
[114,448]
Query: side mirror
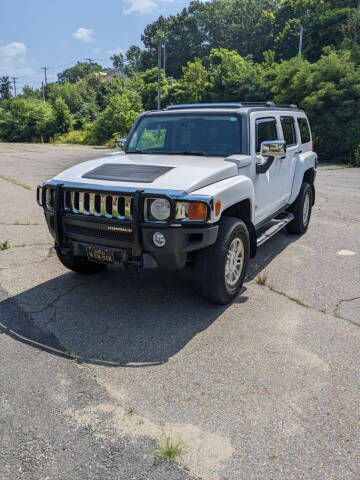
[273,148]
[121,142]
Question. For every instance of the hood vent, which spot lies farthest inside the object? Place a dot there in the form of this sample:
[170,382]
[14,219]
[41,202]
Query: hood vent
[115,172]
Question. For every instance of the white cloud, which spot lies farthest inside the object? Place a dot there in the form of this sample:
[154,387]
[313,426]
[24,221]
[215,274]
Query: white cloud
[142,6]
[115,51]
[15,63]
[84,34]
[12,50]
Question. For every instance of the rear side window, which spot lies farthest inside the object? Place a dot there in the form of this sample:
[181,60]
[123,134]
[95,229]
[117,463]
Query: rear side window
[265,130]
[288,127]
[304,130]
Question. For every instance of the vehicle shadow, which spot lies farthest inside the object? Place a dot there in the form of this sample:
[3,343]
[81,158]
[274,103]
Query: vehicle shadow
[116,318]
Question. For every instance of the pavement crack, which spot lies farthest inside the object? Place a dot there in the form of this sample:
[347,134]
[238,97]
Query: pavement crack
[303,304]
[54,301]
[336,312]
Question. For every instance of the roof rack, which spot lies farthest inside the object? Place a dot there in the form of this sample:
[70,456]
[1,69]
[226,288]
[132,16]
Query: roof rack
[204,105]
[191,106]
[291,105]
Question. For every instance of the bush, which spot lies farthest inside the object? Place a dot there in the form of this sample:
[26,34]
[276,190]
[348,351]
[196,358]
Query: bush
[356,158]
[27,120]
[118,117]
[76,136]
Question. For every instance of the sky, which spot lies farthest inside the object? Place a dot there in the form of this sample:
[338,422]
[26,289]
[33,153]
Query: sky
[58,33]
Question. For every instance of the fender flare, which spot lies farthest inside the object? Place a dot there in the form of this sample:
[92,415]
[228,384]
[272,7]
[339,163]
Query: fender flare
[307,162]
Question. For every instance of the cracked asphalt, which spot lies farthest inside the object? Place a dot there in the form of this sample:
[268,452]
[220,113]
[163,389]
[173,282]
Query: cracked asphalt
[93,369]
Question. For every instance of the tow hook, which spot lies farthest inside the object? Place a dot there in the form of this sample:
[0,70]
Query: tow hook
[134,264]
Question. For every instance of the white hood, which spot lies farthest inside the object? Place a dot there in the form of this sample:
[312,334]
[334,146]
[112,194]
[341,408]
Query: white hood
[188,173]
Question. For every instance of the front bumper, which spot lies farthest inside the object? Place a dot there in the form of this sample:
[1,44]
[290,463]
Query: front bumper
[131,240]
[180,241]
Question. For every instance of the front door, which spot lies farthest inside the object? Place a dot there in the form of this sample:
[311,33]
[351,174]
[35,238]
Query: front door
[269,187]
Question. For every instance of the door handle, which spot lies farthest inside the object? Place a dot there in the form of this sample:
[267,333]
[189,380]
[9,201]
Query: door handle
[297,152]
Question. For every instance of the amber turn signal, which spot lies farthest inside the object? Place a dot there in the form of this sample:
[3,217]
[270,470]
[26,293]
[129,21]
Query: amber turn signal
[197,211]
[217,207]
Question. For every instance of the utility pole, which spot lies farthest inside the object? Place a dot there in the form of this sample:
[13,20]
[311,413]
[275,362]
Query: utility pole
[301,39]
[45,69]
[14,82]
[164,58]
[159,75]
[90,60]
[45,87]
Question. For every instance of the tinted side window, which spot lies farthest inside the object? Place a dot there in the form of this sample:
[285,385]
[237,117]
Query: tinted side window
[288,127]
[265,130]
[304,130]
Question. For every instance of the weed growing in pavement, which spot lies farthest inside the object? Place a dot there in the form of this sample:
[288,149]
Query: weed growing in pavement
[261,279]
[15,182]
[129,410]
[4,245]
[168,449]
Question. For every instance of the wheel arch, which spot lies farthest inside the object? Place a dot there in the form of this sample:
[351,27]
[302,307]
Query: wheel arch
[305,170]
[243,211]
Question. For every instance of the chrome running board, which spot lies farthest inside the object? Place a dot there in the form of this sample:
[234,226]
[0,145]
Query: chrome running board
[264,237]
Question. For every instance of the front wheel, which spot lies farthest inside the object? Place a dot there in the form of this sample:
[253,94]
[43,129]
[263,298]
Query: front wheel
[221,268]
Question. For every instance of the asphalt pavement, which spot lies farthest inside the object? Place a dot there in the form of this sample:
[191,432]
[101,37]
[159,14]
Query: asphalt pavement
[95,369]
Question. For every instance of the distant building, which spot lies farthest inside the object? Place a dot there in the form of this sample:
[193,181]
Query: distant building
[110,73]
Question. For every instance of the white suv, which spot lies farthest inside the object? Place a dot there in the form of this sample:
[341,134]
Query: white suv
[199,184]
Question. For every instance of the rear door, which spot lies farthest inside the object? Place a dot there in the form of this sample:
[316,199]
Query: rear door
[289,134]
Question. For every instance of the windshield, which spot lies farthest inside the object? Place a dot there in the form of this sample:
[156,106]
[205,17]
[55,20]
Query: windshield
[210,135]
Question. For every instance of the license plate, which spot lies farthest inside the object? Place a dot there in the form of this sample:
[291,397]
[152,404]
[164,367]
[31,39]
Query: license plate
[100,254]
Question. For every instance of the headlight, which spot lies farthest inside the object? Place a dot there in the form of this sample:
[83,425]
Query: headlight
[192,211]
[157,209]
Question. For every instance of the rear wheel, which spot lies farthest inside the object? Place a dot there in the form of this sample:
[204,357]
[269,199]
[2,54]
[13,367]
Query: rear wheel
[80,264]
[221,268]
[301,210]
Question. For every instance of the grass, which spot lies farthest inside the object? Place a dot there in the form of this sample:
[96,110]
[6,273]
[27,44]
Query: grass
[261,279]
[15,182]
[21,223]
[129,410]
[168,449]
[4,245]
[71,356]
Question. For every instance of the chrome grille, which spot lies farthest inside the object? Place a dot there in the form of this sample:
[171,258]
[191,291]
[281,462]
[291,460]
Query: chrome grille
[92,204]
[98,204]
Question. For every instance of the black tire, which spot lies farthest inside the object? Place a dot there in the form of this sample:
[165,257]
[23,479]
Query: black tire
[210,262]
[80,264]
[300,224]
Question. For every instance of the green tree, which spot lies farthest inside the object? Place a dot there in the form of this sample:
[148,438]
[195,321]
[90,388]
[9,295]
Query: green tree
[118,61]
[118,117]
[78,71]
[329,92]
[27,120]
[234,78]
[195,81]
[5,88]
[63,120]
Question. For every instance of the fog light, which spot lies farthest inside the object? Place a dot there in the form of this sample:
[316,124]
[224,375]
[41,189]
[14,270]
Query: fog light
[159,239]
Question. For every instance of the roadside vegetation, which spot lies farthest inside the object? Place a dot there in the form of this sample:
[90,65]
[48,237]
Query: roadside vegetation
[168,449]
[4,245]
[221,50]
